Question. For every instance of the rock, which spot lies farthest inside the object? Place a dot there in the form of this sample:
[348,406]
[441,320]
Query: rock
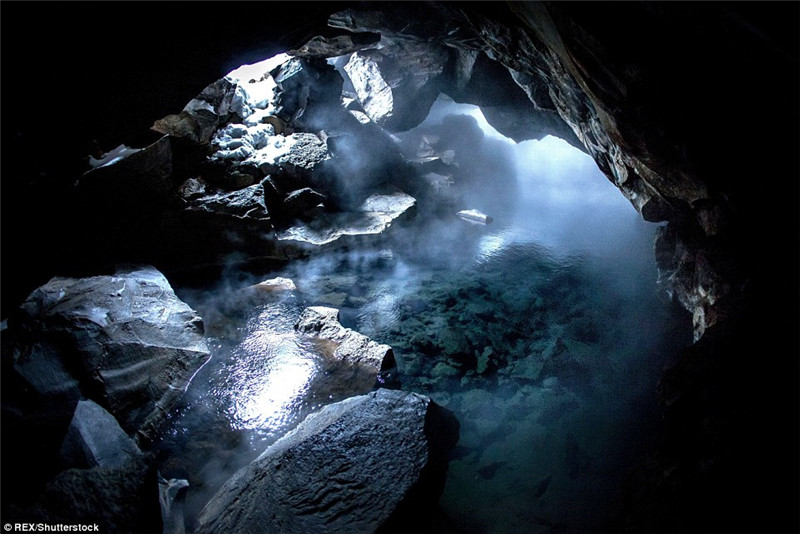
[424,22]
[192,188]
[200,117]
[563,361]
[141,176]
[40,365]
[375,215]
[125,340]
[397,84]
[349,346]
[246,204]
[302,156]
[307,91]
[275,285]
[291,159]
[95,438]
[527,368]
[302,202]
[113,156]
[339,45]
[121,499]
[516,105]
[237,142]
[475,216]
[484,359]
[374,93]
[197,126]
[219,98]
[171,496]
[355,466]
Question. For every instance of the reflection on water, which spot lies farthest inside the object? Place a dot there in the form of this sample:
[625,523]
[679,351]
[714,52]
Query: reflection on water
[549,360]
[541,331]
[262,380]
[267,381]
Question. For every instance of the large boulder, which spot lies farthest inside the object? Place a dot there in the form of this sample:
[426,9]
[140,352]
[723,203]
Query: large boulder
[371,461]
[199,119]
[124,340]
[307,90]
[121,499]
[397,84]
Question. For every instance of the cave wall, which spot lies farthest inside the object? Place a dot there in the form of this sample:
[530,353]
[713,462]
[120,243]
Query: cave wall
[691,109]
[79,77]
[662,99]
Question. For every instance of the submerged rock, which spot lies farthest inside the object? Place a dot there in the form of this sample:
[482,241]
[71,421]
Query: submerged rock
[355,466]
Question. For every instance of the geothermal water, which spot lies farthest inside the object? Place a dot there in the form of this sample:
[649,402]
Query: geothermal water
[542,331]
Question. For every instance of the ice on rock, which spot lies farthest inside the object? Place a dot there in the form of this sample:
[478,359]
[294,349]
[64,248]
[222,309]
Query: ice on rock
[270,153]
[254,139]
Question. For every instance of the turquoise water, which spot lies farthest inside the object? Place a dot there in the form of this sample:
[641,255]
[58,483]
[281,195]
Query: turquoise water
[543,332]
[549,360]
[550,363]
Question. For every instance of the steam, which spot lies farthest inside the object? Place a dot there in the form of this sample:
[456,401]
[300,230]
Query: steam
[553,214]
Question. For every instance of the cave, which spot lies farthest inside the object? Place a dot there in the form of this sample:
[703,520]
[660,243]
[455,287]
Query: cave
[389,159]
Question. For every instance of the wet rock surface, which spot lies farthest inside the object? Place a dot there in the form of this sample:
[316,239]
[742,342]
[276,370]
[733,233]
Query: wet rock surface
[376,214]
[348,345]
[125,341]
[657,117]
[347,468]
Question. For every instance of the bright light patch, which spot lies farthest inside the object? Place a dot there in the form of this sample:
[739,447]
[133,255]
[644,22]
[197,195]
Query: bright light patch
[277,397]
[444,105]
[552,169]
[490,245]
[269,381]
[256,71]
